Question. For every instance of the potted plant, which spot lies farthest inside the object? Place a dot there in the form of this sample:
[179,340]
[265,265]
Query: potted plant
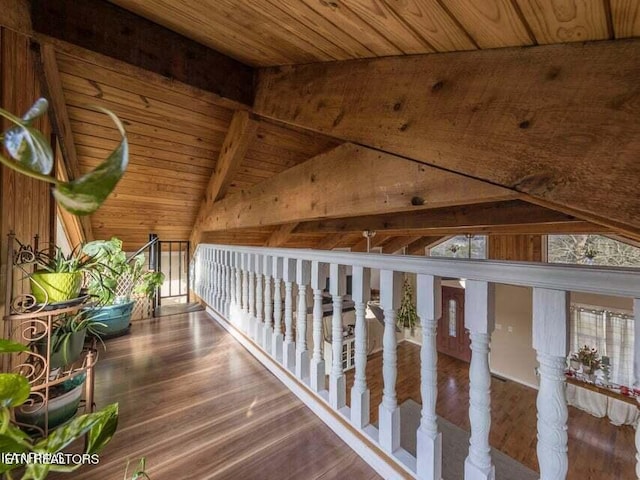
[59,277]
[121,276]
[589,359]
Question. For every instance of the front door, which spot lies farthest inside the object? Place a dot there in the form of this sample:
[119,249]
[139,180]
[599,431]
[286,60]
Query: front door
[453,338]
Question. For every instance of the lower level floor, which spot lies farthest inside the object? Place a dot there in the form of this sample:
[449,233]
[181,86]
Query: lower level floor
[195,404]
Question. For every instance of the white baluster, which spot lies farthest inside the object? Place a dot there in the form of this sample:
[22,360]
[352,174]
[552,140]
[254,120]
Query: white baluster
[259,328]
[232,286]
[361,282]
[550,340]
[277,344]
[303,278]
[338,288]
[245,292]
[479,320]
[317,369]
[429,439]
[289,347]
[388,412]
[267,334]
[237,317]
[251,327]
[218,285]
[229,284]
[636,373]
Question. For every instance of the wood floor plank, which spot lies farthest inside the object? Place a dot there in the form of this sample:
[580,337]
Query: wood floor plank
[197,405]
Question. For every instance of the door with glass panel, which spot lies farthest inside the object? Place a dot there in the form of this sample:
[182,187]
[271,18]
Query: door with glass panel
[453,338]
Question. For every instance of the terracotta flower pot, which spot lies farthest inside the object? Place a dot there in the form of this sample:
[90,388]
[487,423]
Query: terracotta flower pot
[55,287]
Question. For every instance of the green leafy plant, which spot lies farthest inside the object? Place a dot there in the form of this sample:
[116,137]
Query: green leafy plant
[30,154]
[14,391]
[589,357]
[58,262]
[116,266]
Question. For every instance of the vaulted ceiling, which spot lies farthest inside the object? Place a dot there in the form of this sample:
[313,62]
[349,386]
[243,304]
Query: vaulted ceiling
[487,140]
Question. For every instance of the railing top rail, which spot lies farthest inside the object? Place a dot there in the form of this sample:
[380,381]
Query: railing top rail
[624,282]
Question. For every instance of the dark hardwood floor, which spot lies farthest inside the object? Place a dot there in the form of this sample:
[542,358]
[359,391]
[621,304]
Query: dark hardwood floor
[198,406]
[598,450]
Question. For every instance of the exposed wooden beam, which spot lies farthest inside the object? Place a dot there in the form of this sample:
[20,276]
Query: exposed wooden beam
[329,242]
[556,122]
[241,133]
[417,247]
[396,243]
[348,180]
[78,228]
[280,236]
[105,28]
[513,212]
[376,241]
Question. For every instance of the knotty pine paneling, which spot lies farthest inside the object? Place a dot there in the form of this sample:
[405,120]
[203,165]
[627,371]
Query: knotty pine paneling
[521,248]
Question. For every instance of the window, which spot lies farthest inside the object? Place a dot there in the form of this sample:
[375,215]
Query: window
[611,333]
[453,318]
[591,250]
[462,246]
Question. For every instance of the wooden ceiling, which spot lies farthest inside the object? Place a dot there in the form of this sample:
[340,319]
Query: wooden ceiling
[277,32]
[175,138]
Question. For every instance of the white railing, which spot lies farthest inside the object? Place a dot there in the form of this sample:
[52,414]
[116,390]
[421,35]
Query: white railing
[237,282]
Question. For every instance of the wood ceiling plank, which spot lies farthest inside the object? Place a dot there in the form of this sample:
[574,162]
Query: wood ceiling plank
[433,23]
[134,196]
[626,18]
[304,14]
[142,43]
[381,17]
[543,121]
[553,21]
[329,242]
[316,189]
[499,213]
[360,244]
[491,24]
[339,14]
[397,243]
[152,171]
[241,134]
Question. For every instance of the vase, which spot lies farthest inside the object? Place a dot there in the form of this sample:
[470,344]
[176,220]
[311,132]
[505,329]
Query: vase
[586,369]
[49,287]
[116,319]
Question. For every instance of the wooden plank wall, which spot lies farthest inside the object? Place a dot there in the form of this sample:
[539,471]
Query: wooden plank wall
[522,248]
[26,204]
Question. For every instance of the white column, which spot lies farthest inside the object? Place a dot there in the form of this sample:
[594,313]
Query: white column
[289,346]
[259,325]
[636,373]
[388,411]
[317,369]
[429,439]
[338,288]
[479,320]
[361,293]
[267,333]
[550,340]
[245,292]
[251,326]
[303,278]
[277,342]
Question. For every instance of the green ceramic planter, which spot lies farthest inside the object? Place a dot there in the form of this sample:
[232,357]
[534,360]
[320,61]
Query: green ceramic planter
[55,287]
[115,317]
[63,405]
[67,351]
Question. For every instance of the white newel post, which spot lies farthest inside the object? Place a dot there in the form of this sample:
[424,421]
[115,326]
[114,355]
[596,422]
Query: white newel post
[267,333]
[361,293]
[317,369]
[237,316]
[388,411]
[245,292]
[550,340]
[251,328]
[429,439]
[259,329]
[479,320]
[289,346]
[277,342]
[303,278]
[337,385]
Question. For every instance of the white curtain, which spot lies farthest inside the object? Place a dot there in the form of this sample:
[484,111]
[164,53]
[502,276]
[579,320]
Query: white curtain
[612,334]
